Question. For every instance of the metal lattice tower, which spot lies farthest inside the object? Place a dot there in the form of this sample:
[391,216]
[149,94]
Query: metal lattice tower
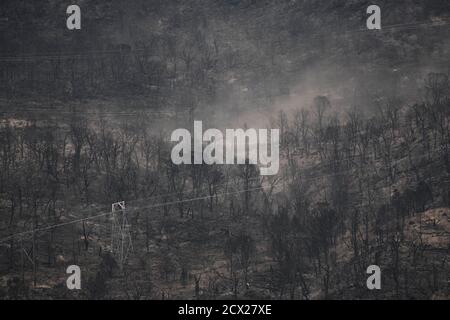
[121,242]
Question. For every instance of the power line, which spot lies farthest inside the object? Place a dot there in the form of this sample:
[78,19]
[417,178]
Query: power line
[158,205]
[89,54]
[137,201]
[88,113]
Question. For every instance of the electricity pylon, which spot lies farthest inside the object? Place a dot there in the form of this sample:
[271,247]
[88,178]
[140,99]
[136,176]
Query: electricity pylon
[121,242]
